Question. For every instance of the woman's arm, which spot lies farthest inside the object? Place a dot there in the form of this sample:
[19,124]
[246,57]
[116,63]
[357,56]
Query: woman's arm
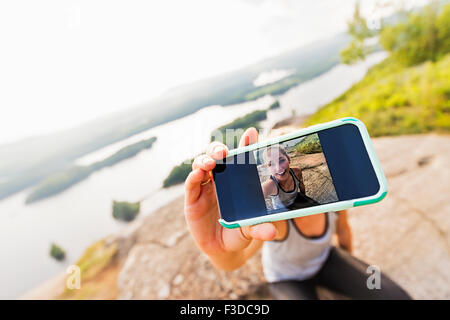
[234,260]
[269,188]
[344,232]
[298,173]
[226,248]
[237,259]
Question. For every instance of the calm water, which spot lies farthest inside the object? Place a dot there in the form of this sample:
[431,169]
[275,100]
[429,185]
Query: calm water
[82,214]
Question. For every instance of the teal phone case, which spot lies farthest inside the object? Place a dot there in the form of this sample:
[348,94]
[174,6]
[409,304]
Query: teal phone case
[336,206]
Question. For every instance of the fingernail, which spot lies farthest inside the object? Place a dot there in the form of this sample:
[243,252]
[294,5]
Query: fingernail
[218,149]
[207,160]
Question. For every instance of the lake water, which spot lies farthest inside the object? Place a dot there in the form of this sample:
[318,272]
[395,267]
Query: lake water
[81,215]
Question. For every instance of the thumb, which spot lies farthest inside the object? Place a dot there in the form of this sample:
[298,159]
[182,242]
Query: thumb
[239,238]
[264,231]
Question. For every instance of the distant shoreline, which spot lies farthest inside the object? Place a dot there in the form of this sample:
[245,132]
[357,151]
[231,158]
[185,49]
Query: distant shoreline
[295,121]
[61,149]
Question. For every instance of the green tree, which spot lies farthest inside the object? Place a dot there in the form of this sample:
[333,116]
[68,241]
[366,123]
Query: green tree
[353,52]
[443,26]
[423,36]
[358,29]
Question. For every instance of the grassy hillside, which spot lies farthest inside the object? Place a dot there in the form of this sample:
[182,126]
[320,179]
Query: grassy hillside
[410,91]
[309,145]
[393,99]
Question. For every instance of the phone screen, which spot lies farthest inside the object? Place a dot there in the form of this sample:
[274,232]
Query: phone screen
[328,166]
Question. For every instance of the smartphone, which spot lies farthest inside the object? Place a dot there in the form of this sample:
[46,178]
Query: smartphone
[322,168]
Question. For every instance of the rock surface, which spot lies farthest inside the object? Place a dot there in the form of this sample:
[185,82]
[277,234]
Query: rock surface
[408,234]
[316,177]
[165,263]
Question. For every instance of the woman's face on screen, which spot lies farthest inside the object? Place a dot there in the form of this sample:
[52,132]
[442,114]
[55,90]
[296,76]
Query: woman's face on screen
[278,164]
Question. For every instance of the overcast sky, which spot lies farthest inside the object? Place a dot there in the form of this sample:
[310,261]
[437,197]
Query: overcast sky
[65,62]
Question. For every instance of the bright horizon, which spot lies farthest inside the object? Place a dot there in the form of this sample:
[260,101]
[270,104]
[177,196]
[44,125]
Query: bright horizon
[80,60]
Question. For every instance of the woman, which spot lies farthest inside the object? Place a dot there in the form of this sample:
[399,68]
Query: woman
[285,188]
[294,261]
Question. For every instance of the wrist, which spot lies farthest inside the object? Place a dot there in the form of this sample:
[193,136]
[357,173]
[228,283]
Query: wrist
[227,261]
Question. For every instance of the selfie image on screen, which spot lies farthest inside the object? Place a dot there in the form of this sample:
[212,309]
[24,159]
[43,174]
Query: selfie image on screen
[294,174]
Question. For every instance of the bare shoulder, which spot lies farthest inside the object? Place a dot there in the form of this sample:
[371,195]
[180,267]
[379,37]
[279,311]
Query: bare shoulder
[297,172]
[269,187]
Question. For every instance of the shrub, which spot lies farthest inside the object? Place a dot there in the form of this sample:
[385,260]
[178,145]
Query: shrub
[125,211]
[275,105]
[57,252]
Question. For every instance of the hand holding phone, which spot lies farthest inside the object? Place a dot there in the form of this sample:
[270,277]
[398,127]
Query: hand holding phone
[323,168]
[225,247]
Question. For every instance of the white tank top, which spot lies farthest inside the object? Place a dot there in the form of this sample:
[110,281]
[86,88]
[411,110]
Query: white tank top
[297,257]
[283,198]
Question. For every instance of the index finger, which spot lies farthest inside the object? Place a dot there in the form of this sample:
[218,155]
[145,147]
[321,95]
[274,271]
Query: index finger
[217,150]
[250,136]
